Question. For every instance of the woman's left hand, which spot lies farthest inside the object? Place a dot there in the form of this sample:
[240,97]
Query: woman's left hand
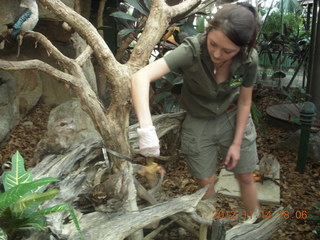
[232,157]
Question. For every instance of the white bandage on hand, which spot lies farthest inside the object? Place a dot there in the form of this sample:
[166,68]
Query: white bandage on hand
[148,142]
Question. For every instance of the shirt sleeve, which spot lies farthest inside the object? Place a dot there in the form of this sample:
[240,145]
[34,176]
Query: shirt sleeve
[250,75]
[180,58]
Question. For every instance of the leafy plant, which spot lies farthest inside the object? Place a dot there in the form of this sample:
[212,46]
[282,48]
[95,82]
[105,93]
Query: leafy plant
[256,115]
[129,20]
[292,44]
[314,218]
[19,213]
[297,95]
[167,93]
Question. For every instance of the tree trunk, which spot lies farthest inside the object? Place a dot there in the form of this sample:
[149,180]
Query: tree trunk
[315,80]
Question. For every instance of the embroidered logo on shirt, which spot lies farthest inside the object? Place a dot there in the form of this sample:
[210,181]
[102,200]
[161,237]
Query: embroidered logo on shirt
[236,81]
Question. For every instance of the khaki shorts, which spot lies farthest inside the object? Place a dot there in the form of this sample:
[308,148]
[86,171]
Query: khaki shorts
[201,136]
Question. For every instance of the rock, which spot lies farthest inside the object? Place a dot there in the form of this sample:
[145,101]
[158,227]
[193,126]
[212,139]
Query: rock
[79,46]
[9,103]
[30,89]
[59,137]
[293,141]
[9,9]
[19,92]
[84,125]
[45,13]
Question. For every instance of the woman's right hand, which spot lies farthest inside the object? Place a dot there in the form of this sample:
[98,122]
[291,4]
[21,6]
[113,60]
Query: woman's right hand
[148,142]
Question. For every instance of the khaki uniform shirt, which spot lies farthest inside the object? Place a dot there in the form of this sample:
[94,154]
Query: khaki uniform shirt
[201,95]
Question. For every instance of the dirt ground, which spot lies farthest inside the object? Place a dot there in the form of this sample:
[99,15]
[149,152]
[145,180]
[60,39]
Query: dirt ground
[301,191]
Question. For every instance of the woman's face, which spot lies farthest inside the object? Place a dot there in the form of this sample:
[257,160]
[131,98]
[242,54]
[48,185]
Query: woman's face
[220,48]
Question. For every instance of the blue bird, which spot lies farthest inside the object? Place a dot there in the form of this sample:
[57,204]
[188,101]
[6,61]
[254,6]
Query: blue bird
[26,20]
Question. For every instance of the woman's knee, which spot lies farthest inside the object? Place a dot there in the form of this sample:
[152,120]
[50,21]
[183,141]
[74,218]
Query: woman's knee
[245,178]
[205,181]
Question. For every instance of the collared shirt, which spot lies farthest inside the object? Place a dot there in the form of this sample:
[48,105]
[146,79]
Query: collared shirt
[201,96]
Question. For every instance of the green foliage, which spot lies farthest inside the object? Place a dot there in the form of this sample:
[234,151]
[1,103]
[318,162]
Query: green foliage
[19,202]
[273,22]
[166,99]
[3,235]
[142,6]
[123,15]
[200,24]
[256,115]
[130,21]
[297,95]
[17,175]
[292,46]
[314,218]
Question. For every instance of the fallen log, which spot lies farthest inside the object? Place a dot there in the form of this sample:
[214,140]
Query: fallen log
[99,226]
[260,231]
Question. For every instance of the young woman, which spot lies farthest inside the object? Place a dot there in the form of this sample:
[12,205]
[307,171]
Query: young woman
[219,70]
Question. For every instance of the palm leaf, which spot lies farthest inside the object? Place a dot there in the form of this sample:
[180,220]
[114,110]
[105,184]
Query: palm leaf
[3,235]
[200,24]
[169,77]
[123,15]
[171,105]
[18,174]
[28,200]
[126,31]
[137,5]
[15,193]
[161,96]
[59,208]
[147,3]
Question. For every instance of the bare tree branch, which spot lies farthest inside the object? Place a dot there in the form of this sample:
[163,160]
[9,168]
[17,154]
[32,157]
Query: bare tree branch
[124,45]
[129,38]
[101,8]
[51,49]
[37,65]
[87,31]
[183,7]
[157,22]
[83,57]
